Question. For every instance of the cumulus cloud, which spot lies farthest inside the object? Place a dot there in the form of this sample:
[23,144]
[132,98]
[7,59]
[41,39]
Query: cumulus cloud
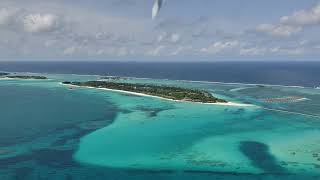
[218,47]
[40,22]
[161,37]
[122,51]
[287,51]
[23,20]
[234,48]
[169,37]
[156,51]
[293,24]
[278,30]
[66,30]
[70,51]
[303,17]
[181,49]
[272,51]
[253,51]
[175,37]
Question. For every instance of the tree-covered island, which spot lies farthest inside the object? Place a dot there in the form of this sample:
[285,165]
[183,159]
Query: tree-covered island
[4,74]
[26,77]
[168,92]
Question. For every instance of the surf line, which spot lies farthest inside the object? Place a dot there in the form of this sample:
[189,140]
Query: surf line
[290,112]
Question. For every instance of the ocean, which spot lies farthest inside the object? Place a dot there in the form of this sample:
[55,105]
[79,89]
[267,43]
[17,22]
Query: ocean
[51,132]
[276,73]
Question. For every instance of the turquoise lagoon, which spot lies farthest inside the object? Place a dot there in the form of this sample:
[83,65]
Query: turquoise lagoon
[51,132]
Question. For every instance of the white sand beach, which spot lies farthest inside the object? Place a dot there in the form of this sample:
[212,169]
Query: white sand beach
[5,78]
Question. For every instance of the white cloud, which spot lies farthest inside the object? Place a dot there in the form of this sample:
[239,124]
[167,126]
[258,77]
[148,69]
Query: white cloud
[278,30]
[161,37]
[69,51]
[287,51]
[303,18]
[156,51]
[40,22]
[24,20]
[255,51]
[66,30]
[122,51]
[177,51]
[175,37]
[293,24]
[218,47]
[169,37]
[181,49]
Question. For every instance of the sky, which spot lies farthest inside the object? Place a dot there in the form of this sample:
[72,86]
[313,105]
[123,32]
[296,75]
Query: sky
[185,30]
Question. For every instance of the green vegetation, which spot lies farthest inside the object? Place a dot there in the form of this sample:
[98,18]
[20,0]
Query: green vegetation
[27,77]
[4,74]
[175,93]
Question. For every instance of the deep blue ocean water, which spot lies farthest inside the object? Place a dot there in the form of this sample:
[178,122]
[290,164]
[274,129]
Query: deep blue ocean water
[276,73]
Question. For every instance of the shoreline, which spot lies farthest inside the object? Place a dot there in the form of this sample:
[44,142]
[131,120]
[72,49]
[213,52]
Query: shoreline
[6,78]
[158,97]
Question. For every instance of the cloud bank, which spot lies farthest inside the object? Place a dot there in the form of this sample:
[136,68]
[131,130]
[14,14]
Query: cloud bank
[63,30]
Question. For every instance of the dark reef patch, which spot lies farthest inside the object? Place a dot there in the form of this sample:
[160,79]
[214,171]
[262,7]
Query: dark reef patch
[239,111]
[60,158]
[68,177]
[260,157]
[151,111]
[125,111]
[22,173]
[46,157]
[54,158]
[235,112]
[84,128]
[64,139]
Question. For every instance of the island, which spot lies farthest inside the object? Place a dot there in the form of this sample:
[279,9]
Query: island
[26,77]
[4,74]
[162,91]
[114,78]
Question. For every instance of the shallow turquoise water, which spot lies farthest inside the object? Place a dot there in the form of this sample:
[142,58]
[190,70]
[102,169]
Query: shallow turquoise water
[49,131]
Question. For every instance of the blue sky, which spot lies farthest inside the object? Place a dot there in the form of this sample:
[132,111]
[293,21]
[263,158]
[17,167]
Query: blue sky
[185,30]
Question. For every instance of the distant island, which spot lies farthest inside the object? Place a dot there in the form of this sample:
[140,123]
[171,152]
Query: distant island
[4,74]
[168,92]
[26,77]
[114,78]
